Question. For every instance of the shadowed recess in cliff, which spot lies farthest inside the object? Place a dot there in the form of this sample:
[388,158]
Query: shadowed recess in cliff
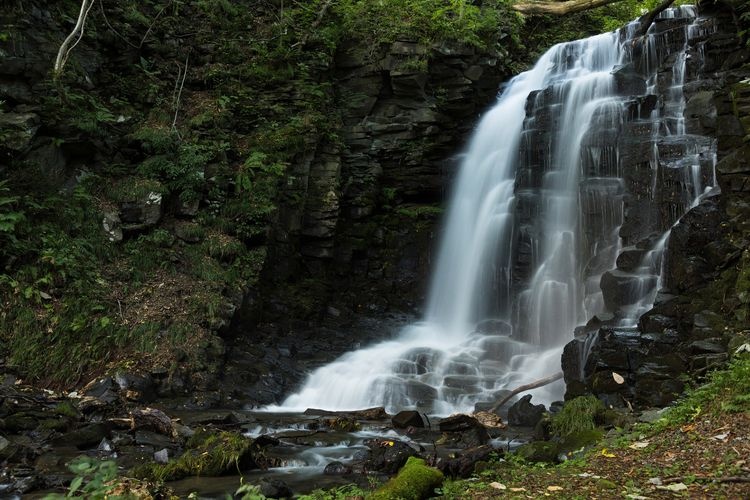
[582,160]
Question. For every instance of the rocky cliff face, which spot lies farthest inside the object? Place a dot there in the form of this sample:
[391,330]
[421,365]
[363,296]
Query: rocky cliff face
[359,219]
[701,312]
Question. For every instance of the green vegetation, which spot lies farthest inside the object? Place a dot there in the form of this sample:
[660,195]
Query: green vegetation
[207,454]
[690,443]
[578,415]
[341,493]
[414,481]
[94,480]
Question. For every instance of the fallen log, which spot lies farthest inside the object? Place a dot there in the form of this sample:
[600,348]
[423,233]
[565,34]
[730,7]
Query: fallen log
[533,385]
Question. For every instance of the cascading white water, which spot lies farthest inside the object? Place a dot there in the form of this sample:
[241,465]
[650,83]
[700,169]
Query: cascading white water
[532,228]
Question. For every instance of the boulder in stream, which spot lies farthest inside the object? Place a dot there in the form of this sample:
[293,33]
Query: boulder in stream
[408,418]
[525,414]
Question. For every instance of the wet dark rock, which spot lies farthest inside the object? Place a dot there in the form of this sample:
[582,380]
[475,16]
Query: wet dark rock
[458,423]
[274,488]
[464,464]
[525,414]
[407,418]
[153,439]
[654,322]
[137,387]
[103,389]
[88,436]
[420,392]
[463,431]
[26,484]
[620,288]
[695,247]
[337,469]
[151,419]
[630,258]
[385,455]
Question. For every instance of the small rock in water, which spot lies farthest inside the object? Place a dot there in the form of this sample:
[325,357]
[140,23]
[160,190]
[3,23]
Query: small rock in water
[161,456]
[106,446]
[337,469]
[407,418]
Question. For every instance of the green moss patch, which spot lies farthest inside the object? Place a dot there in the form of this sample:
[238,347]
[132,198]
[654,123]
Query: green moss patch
[414,481]
[208,454]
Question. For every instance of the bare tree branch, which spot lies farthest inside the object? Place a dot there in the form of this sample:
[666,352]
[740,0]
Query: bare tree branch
[533,385]
[66,47]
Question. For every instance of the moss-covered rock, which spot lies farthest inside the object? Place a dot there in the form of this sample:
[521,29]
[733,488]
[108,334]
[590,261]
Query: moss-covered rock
[208,454]
[414,481]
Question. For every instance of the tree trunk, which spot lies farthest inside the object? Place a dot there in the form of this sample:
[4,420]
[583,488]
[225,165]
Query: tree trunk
[560,8]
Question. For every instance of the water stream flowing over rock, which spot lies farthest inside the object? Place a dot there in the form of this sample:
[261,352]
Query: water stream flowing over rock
[559,214]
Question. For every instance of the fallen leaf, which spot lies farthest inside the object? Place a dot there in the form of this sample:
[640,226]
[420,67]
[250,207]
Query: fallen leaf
[588,474]
[517,489]
[688,428]
[721,437]
[674,487]
[638,445]
[555,488]
[618,378]
[498,486]
[655,481]
[607,454]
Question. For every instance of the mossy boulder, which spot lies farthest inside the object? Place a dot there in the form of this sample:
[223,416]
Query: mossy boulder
[414,481]
[207,454]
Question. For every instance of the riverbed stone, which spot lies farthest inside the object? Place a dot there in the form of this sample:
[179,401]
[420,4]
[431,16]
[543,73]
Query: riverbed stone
[385,455]
[525,414]
[337,468]
[407,418]
[86,437]
[274,488]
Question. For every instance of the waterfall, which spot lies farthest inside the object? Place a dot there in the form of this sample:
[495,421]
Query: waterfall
[557,215]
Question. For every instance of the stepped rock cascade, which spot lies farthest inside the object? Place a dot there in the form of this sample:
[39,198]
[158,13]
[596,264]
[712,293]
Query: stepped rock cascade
[560,212]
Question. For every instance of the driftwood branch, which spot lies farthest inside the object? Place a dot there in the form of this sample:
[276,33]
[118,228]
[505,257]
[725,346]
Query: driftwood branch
[559,8]
[647,19]
[73,38]
[533,385]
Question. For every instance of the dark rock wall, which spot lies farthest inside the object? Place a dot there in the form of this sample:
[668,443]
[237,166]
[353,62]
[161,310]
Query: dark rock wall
[702,310]
[358,228]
